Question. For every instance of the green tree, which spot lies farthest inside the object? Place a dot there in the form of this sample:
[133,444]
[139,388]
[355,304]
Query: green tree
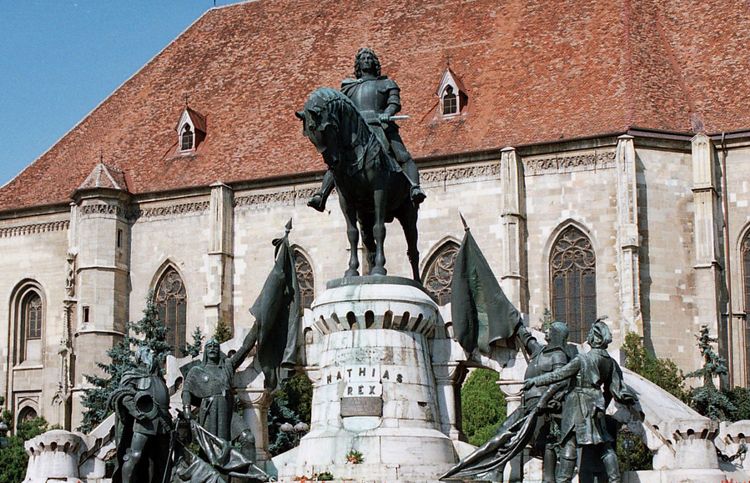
[547,319]
[151,330]
[13,457]
[740,398]
[632,452]
[662,372]
[195,347]
[707,399]
[292,404]
[223,332]
[483,407]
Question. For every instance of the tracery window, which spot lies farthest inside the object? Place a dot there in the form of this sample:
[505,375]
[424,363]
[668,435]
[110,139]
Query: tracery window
[745,261]
[305,279]
[30,328]
[187,138]
[450,104]
[171,303]
[439,273]
[573,282]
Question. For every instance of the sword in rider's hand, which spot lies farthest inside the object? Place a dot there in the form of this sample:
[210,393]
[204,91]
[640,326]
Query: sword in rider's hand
[399,117]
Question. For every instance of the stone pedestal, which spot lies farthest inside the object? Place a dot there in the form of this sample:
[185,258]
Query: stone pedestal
[374,389]
[53,456]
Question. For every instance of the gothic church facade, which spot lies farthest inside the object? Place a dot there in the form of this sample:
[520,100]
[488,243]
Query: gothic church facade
[600,152]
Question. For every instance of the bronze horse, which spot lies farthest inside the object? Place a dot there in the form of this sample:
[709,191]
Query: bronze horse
[372,189]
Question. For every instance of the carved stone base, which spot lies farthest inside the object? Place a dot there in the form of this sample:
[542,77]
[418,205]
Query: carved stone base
[374,389]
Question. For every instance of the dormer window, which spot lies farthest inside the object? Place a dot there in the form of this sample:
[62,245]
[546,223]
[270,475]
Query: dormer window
[452,94]
[450,103]
[188,138]
[191,131]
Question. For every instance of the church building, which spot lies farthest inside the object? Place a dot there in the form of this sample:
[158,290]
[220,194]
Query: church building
[599,151]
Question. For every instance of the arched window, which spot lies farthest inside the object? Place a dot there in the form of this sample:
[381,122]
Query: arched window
[573,282]
[305,279]
[29,321]
[187,138]
[26,414]
[439,272]
[450,105]
[171,303]
[745,249]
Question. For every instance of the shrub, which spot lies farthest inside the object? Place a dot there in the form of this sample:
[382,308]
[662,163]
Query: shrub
[483,407]
[13,457]
[662,372]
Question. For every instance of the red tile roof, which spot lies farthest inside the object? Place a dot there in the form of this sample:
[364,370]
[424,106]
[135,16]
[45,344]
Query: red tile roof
[534,71]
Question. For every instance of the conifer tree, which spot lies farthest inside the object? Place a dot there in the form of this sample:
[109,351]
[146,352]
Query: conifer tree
[223,333]
[707,399]
[151,330]
[195,347]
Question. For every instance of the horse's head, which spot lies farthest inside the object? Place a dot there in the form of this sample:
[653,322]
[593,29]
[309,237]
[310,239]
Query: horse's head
[318,119]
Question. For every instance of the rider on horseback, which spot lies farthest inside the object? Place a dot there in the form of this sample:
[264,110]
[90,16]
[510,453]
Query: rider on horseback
[377,99]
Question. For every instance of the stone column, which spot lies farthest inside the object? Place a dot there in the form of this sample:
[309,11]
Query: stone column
[218,300]
[513,213]
[628,237]
[447,379]
[707,226]
[257,402]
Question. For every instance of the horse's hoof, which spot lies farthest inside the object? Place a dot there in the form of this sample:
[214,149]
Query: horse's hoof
[351,273]
[417,195]
[378,271]
[317,202]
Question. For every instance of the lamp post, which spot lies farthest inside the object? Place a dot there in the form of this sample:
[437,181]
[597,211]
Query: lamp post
[295,431]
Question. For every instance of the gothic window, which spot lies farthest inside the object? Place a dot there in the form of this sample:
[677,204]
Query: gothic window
[171,303]
[30,328]
[450,105]
[745,261]
[26,414]
[573,282]
[187,138]
[305,279]
[437,277]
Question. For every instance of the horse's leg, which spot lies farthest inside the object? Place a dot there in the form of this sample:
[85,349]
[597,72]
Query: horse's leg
[350,215]
[408,219]
[368,240]
[380,200]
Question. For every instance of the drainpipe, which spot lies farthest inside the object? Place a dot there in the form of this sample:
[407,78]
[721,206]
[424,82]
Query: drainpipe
[728,266]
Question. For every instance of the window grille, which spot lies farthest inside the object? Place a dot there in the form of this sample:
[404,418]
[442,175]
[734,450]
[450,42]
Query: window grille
[439,273]
[450,102]
[171,304]
[573,282]
[187,138]
[305,279]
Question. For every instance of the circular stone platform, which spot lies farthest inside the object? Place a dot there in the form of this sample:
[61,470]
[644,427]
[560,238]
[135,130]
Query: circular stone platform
[375,302]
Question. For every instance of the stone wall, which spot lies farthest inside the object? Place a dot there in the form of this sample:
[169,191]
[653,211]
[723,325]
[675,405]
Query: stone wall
[33,249]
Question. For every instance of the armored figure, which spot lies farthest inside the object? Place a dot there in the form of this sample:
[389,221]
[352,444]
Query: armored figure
[597,378]
[378,99]
[209,386]
[539,408]
[143,422]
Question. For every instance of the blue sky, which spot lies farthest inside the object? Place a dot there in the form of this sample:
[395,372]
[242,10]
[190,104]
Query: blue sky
[60,58]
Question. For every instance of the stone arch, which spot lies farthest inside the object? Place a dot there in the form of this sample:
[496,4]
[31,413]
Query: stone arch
[28,313]
[171,299]
[305,276]
[438,270]
[571,278]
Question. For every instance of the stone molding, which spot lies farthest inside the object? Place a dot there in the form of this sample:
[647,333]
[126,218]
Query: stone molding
[447,175]
[171,210]
[22,230]
[283,197]
[568,164]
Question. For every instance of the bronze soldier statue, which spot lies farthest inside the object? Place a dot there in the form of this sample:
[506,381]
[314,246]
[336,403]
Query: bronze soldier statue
[597,379]
[541,404]
[209,386]
[143,422]
[378,99]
